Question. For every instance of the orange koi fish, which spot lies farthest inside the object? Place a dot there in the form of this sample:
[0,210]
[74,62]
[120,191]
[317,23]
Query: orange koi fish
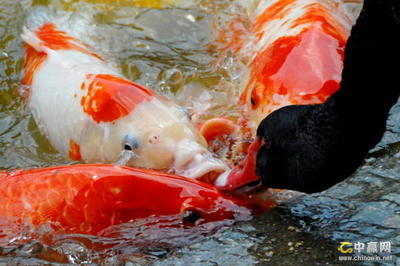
[91,113]
[89,198]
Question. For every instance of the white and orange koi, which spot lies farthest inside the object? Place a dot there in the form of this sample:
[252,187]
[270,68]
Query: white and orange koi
[299,48]
[91,113]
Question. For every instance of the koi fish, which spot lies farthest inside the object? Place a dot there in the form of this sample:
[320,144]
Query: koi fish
[91,113]
[89,198]
[300,51]
[296,57]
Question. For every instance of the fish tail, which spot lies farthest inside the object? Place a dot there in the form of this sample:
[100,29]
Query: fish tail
[57,29]
[39,16]
[45,32]
[41,28]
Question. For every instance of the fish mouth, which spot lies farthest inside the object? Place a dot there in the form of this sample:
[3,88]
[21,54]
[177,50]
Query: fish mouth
[203,167]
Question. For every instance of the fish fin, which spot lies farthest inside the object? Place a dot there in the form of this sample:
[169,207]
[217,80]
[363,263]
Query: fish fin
[33,40]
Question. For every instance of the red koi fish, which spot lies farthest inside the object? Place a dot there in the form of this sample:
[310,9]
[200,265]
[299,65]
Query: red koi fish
[91,113]
[296,57]
[89,198]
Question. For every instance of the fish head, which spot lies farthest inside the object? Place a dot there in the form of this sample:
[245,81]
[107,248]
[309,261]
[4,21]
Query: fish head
[168,140]
[157,134]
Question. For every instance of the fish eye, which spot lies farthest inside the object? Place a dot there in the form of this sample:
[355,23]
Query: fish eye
[252,101]
[130,143]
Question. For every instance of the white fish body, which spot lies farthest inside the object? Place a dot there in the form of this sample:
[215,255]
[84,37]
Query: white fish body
[90,112]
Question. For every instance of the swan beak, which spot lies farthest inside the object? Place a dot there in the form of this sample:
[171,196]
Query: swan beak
[242,175]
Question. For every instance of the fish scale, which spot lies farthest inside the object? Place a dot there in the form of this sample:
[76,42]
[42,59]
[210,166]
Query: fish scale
[19,189]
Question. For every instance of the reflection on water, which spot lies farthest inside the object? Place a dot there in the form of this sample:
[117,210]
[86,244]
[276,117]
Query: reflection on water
[142,240]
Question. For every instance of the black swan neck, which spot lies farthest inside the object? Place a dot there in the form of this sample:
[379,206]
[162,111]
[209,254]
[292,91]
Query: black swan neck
[371,74]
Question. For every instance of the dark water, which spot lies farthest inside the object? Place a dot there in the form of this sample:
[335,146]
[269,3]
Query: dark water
[173,56]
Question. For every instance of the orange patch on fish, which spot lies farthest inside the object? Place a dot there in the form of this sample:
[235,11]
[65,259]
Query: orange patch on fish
[277,10]
[52,39]
[287,68]
[316,13]
[59,40]
[33,60]
[265,65]
[74,151]
[110,98]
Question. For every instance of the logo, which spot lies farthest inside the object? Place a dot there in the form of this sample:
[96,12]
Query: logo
[345,247]
[355,251]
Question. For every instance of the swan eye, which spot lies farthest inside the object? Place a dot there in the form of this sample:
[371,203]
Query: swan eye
[130,143]
[266,143]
